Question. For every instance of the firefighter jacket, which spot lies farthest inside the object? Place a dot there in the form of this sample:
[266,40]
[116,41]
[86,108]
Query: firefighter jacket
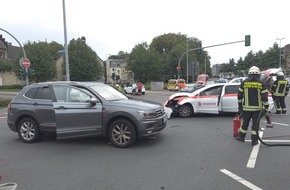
[253,95]
[280,87]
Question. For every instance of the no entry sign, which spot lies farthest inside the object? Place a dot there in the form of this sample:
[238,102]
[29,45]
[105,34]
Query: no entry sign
[25,63]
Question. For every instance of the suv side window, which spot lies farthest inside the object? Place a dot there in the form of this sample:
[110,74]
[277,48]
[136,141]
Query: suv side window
[75,95]
[31,93]
[70,94]
[43,93]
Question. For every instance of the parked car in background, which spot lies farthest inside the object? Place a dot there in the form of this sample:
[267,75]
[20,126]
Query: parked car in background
[189,87]
[211,99]
[132,89]
[202,79]
[172,84]
[237,80]
[82,109]
[221,80]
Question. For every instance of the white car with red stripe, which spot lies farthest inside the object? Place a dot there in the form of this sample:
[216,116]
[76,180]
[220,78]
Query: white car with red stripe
[212,99]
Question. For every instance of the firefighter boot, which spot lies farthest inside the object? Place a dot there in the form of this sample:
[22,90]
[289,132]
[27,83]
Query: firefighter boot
[254,143]
[241,137]
[278,112]
[284,111]
[254,140]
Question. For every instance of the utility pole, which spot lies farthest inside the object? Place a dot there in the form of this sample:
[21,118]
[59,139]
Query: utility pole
[280,39]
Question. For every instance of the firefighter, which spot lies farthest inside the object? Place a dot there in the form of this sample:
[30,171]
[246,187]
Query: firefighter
[252,99]
[279,91]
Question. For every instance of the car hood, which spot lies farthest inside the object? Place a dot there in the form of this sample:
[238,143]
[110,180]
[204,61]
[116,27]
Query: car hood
[180,94]
[138,104]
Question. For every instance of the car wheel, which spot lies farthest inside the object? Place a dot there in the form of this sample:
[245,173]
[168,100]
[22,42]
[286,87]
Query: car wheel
[122,133]
[185,111]
[28,130]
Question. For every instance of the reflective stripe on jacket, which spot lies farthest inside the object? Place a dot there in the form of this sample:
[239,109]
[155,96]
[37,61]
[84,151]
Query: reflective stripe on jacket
[280,87]
[253,95]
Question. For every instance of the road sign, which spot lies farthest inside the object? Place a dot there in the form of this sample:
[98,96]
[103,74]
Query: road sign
[178,68]
[25,63]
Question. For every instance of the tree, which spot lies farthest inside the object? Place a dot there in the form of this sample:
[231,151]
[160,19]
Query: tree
[42,61]
[83,62]
[171,47]
[145,63]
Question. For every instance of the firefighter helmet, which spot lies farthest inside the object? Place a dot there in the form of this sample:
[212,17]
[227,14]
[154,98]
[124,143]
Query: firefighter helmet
[254,71]
[280,74]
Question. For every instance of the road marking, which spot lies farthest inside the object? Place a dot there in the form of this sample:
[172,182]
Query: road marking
[283,124]
[254,153]
[279,141]
[241,180]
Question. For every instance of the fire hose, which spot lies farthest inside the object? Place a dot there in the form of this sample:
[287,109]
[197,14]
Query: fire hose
[261,114]
[237,125]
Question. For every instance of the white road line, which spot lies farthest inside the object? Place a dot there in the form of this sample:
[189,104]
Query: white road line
[241,180]
[279,141]
[283,124]
[254,154]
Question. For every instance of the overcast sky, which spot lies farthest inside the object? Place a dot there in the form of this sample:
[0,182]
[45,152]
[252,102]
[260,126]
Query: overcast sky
[111,26]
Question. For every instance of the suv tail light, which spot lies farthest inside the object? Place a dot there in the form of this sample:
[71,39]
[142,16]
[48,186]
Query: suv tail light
[9,106]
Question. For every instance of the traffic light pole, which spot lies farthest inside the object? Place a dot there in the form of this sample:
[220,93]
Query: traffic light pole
[200,48]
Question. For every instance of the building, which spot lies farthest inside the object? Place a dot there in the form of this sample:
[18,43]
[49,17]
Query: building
[116,72]
[215,70]
[9,52]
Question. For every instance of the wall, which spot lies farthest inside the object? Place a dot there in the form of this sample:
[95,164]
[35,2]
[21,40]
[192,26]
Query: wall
[9,78]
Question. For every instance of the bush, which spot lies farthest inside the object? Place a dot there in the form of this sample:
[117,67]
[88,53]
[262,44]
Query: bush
[18,87]
[4,102]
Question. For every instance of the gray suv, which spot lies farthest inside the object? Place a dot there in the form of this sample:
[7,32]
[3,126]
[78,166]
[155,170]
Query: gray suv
[81,109]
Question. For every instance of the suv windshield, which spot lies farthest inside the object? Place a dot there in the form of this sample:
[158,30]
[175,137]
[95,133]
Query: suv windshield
[108,93]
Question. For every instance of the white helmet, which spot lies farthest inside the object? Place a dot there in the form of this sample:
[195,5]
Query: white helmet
[280,74]
[254,71]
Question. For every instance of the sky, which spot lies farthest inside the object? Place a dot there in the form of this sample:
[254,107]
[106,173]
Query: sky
[111,26]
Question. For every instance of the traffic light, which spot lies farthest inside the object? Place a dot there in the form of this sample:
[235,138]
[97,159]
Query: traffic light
[199,46]
[247,40]
[21,72]
[31,72]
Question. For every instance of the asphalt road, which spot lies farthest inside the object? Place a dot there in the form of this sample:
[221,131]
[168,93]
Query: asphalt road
[190,154]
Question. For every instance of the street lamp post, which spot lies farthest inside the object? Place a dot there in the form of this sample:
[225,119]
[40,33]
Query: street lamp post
[187,61]
[280,39]
[204,62]
[65,43]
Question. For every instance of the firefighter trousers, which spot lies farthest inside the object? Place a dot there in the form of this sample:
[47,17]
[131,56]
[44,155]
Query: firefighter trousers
[247,117]
[279,102]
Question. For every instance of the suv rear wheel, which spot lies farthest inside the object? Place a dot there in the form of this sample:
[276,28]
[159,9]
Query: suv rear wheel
[28,130]
[122,133]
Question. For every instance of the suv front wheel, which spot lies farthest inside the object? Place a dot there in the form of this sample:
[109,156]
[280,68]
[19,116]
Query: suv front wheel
[122,133]
[28,130]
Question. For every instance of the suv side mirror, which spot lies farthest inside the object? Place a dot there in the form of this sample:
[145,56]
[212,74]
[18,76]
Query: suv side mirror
[94,101]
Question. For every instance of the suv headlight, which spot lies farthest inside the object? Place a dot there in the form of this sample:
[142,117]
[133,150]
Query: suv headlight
[148,114]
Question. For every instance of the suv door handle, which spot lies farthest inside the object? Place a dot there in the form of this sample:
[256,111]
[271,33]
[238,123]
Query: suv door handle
[61,108]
